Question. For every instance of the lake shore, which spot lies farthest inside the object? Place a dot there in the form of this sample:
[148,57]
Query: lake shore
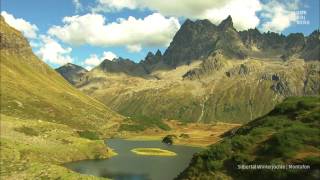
[33,148]
[192,134]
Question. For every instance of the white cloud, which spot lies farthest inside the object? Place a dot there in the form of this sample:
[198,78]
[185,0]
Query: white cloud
[95,60]
[242,12]
[77,4]
[29,30]
[153,30]
[51,51]
[109,55]
[279,16]
[114,5]
[134,48]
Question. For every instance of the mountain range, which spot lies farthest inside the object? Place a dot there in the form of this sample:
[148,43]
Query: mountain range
[210,73]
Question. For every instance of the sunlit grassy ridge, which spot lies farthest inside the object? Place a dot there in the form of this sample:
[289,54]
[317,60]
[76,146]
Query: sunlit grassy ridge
[287,135]
[30,89]
[45,122]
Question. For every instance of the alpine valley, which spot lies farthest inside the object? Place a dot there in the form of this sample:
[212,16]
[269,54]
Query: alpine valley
[245,97]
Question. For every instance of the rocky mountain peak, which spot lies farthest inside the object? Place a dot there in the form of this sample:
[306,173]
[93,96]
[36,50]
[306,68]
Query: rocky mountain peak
[193,40]
[152,58]
[227,23]
[158,53]
[149,55]
[187,22]
[72,72]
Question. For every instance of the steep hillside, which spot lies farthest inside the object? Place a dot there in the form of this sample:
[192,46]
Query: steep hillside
[288,135]
[30,89]
[45,121]
[72,73]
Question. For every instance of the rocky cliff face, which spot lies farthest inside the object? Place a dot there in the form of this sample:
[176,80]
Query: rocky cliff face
[197,40]
[72,73]
[194,40]
[271,44]
[312,47]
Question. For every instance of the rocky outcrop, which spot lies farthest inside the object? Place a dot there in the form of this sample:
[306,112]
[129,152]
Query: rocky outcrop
[242,70]
[208,66]
[312,47]
[312,80]
[199,39]
[295,42]
[252,39]
[286,47]
[152,58]
[226,24]
[12,40]
[72,73]
[194,40]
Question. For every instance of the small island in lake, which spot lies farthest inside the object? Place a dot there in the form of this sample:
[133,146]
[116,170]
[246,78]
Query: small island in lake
[153,152]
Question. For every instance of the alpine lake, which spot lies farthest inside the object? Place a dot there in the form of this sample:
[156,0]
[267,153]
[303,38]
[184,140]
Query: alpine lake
[134,163]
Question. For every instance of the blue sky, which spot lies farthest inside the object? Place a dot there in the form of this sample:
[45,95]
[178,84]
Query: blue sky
[152,25]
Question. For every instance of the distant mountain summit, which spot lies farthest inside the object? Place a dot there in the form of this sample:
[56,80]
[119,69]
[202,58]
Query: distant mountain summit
[199,39]
[226,24]
[71,72]
[121,65]
[194,40]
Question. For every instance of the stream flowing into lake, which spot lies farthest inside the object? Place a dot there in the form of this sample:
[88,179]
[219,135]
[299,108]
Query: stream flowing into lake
[130,166]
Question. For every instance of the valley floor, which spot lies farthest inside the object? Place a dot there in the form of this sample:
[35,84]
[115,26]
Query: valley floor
[191,134]
[35,149]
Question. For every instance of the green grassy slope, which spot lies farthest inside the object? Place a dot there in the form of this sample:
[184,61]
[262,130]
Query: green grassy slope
[30,89]
[289,134]
[36,149]
[45,122]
